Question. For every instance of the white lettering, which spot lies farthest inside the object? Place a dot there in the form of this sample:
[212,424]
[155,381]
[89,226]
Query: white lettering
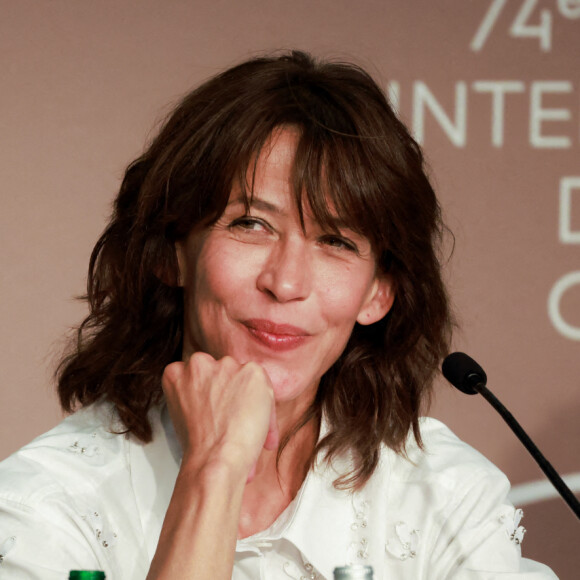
[455,130]
[558,290]
[542,31]
[498,89]
[487,25]
[566,234]
[569,8]
[538,114]
[394,95]
[550,102]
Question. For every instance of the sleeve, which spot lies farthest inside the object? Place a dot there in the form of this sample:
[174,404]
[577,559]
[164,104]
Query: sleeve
[43,546]
[480,535]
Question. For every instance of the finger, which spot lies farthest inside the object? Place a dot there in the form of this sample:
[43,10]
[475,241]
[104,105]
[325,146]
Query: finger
[273,437]
[172,374]
[200,365]
[252,473]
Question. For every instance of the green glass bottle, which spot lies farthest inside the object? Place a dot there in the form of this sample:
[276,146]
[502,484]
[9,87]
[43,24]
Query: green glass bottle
[354,572]
[86,575]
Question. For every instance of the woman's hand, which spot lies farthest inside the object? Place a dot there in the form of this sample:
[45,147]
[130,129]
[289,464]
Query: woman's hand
[224,415]
[223,412]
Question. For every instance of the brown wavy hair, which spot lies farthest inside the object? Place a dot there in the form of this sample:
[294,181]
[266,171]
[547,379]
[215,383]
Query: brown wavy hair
[352,149]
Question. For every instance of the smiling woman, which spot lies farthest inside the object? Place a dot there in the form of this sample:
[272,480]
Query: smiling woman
[263,285]
[267,316]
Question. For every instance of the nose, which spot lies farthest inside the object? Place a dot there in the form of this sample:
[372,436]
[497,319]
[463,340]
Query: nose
[286,272]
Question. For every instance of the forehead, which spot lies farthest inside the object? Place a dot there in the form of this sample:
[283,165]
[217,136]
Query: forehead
[281,170]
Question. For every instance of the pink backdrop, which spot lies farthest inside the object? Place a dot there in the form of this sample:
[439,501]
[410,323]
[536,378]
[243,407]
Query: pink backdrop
[490,87]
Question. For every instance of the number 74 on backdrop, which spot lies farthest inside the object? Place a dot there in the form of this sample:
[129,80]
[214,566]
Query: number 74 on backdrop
[528,22]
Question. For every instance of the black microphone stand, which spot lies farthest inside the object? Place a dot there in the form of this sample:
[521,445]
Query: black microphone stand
[544,464]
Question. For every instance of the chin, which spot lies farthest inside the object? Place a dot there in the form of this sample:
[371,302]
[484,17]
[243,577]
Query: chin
[290,387]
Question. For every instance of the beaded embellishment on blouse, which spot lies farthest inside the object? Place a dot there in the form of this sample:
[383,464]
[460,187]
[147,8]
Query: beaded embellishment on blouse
[403,545]
[358,549]
[514,531]
[106,538]
[6,546]
[292,571]
[86,447]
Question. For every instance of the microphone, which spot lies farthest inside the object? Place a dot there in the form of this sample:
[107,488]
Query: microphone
[467,376]
[463,373]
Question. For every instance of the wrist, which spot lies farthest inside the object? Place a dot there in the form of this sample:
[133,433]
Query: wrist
[218,470]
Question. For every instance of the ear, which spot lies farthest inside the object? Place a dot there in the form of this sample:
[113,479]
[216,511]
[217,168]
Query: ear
[379,301]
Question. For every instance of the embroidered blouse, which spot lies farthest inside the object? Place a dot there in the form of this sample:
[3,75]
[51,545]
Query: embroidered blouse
[82,497]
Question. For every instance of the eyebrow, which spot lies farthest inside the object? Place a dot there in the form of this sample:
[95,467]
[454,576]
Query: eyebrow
[256,202]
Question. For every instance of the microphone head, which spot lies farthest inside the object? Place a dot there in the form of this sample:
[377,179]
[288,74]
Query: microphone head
[463,372]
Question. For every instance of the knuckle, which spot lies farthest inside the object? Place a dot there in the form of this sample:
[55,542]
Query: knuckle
[229,362]
[260,373]
[256,372]
[172,373]
[200,360]
[253,368]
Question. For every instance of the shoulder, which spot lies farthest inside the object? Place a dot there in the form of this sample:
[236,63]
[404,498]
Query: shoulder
[67,500]
[444,460]
[445,504]
[70,456]
[445,456]
[442,477]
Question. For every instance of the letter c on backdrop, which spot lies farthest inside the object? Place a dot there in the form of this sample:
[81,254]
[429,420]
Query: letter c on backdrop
[560,287]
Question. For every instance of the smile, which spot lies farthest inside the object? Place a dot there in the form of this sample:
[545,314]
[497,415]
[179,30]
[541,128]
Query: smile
[276,336]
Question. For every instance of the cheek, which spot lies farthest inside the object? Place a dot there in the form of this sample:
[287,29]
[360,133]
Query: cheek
[218,275]
[215,291]
[343,299]
[224,286]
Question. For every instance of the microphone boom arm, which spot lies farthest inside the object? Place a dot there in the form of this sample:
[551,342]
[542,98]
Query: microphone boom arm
[543,463]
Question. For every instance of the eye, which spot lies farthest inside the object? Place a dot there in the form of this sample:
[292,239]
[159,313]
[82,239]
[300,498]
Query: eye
[339,242]
[249,223]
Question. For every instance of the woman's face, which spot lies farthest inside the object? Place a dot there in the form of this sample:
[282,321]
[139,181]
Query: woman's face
[260,288]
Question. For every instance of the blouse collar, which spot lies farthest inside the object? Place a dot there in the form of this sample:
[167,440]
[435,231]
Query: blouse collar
[327,525]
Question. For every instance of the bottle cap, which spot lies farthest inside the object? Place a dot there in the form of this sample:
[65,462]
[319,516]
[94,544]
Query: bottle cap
[86,575]
[354,572]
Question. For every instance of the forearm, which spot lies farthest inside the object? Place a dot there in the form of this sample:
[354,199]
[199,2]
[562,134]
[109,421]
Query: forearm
[224,415]
[199,533]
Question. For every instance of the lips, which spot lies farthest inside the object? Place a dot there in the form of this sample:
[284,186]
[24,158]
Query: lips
[276,336]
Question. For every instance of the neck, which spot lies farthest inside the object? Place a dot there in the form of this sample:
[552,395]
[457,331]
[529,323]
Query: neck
[276,483]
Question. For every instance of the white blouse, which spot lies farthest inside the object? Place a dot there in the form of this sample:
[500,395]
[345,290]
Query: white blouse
[82,497]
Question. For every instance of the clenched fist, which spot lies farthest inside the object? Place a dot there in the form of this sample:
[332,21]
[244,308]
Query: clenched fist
[222,411]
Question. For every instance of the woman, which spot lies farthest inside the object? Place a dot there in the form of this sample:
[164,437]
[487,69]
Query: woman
[266,319]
